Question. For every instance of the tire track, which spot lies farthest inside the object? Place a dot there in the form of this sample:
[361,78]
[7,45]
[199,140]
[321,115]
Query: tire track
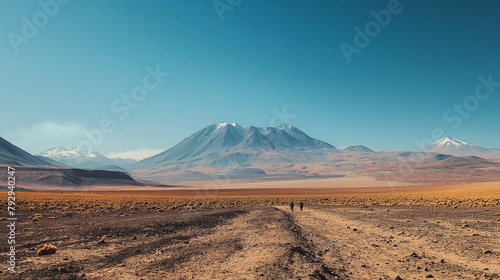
[368,251]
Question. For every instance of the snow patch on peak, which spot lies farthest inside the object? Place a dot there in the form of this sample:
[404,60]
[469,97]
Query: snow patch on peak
[224,124]
[453,146]
[286,127]
[91,155]
[449,141]
[221,125]
[61,152]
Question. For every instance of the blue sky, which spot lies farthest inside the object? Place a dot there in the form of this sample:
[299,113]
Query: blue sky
[262,57]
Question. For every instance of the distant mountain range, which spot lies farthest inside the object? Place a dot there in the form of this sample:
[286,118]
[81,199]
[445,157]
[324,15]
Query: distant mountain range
[41,173]
[229,150]
[359,149]
[84,159]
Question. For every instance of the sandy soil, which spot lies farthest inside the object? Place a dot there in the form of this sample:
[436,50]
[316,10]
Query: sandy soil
[264,242]
[219,184]
[350,181]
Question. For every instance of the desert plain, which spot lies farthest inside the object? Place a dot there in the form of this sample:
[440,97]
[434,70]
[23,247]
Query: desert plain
[377,232]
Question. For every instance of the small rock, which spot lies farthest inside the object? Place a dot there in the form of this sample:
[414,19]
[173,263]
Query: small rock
[101,242]
[354,229]
[487,252]
[398,278]
[47,249]
[429,276]
[63,270]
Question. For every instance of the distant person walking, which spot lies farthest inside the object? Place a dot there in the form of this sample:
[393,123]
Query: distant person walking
[301,206]
[292,205]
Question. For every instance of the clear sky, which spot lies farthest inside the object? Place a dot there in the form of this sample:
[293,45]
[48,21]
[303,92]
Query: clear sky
[76,61]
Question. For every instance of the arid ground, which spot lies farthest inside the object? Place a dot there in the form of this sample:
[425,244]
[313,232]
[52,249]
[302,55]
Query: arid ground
[434,232]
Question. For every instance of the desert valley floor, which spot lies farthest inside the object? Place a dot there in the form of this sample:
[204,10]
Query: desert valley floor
[264,242]
[426,232]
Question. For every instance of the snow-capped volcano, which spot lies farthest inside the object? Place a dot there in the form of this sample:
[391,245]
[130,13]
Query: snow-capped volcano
[454,146]
[83,159]
[452,142]
[226,145]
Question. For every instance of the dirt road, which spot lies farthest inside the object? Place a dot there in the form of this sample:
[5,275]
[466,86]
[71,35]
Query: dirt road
[412,243]
[323,242]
